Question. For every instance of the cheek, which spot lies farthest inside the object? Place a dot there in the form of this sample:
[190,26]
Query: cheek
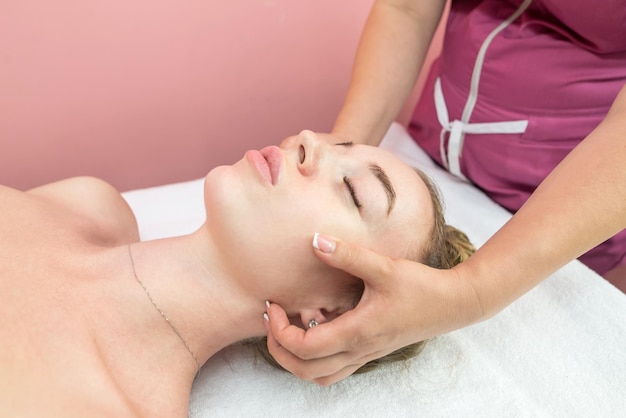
[301,207]
[305,218]
[397,241]
[282,238]
[272,229]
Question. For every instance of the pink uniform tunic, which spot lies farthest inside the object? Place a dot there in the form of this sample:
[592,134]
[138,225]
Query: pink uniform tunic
[518,85]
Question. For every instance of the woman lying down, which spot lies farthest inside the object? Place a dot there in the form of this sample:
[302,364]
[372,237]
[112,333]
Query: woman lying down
[96,323]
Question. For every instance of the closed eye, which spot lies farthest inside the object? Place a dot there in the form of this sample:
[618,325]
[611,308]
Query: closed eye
[355,199]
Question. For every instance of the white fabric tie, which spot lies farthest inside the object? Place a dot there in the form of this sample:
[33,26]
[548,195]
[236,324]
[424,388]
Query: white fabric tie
[458,129]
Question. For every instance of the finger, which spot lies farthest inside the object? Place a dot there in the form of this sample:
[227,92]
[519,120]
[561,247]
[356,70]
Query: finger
[373,268]
[317,342]
[279,325]
[305,367]
[338,376]
[309,370]
[348,369]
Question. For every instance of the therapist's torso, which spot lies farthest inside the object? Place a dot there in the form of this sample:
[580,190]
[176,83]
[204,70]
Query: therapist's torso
[518,85]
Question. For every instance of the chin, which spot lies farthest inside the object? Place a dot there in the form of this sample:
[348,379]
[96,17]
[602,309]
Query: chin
[223,186]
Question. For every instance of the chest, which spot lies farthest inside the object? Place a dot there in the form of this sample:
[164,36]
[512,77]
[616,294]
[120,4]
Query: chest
[48,360]
[49,365]
[595,26]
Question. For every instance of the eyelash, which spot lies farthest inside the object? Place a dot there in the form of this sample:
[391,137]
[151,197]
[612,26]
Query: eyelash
[348,183]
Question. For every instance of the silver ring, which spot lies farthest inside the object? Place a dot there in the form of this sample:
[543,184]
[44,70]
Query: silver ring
[313,323]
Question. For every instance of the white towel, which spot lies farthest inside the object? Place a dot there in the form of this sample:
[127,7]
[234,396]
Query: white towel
[559,351]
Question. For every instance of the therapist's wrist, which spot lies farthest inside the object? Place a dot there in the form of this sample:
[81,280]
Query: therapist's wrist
[356,136]
[443,301]
[349,135]
[467,304]
[352,130]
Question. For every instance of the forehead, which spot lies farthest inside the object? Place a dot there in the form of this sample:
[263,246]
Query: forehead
[391,163]
[404,178]
[412,215]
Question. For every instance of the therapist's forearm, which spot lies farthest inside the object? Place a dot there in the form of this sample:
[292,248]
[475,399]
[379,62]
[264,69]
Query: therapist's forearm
[391,52]
[579,205]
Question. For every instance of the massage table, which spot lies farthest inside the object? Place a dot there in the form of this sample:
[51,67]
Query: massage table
[558,351]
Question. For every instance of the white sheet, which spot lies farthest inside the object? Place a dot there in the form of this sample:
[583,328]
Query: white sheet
[558,351]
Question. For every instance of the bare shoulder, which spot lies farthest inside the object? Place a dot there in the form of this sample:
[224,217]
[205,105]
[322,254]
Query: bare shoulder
[94,204]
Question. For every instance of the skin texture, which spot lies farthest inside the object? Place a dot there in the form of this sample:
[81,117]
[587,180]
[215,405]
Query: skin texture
[85,340]
[406,302]
[391,52]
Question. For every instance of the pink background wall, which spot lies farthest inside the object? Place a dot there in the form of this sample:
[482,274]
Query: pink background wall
[147,92]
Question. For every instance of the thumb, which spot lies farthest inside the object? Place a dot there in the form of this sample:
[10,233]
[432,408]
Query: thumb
[373,268]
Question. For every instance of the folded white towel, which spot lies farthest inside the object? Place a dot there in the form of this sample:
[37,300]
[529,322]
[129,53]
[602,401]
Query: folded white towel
[559,351]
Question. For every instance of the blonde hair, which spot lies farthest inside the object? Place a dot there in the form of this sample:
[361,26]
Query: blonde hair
[446,247]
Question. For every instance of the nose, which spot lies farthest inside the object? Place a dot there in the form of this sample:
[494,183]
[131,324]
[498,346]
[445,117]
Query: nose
[310,151]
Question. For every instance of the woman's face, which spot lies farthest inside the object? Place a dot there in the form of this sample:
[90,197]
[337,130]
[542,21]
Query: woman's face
[263,211]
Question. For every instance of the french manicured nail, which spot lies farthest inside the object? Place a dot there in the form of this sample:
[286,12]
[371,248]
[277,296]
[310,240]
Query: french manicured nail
[323,243]
[266,317]
[267,303]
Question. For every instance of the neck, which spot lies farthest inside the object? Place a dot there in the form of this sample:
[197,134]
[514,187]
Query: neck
[207,309]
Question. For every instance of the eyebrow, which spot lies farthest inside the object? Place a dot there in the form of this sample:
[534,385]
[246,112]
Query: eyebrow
[380,174]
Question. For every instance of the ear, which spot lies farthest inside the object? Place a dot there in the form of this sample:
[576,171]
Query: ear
[321,315]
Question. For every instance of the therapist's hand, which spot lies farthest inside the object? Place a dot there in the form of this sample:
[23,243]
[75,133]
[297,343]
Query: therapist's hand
[403,302]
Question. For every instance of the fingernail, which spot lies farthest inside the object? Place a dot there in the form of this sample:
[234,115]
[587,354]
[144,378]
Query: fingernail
[323,243]
[267,303]
[266,317]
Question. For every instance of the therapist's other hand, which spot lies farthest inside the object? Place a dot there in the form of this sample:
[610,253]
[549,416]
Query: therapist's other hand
[404,302]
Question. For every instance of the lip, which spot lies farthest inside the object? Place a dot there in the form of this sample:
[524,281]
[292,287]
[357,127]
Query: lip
[268,163]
